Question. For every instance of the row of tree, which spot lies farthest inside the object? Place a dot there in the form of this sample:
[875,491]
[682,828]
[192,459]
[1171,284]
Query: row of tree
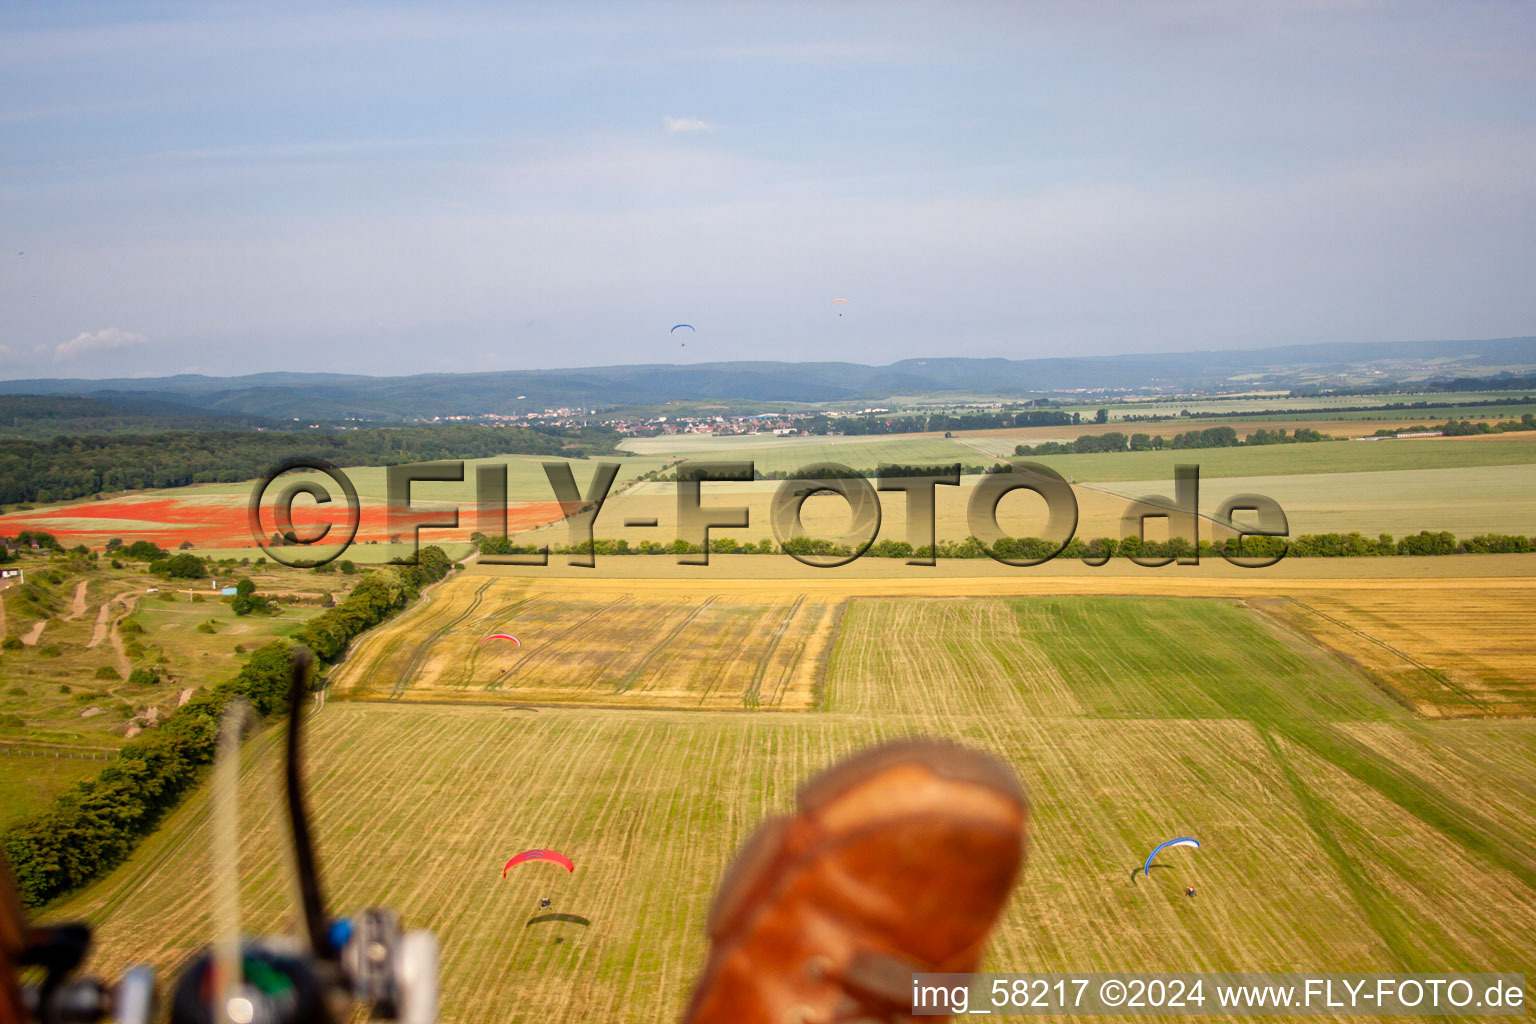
[1211,437]
[918,423]
[96,824]
[1310,545]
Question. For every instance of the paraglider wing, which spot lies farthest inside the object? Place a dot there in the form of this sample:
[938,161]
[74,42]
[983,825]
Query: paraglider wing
[1183,841]
[529,855]
[503,636]
[836,301]
[689,326]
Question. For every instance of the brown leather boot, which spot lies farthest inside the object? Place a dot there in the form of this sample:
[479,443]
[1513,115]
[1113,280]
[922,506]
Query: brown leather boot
[899,860]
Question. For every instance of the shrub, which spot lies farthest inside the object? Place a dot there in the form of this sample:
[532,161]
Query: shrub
[12,722]
[116,564]
[51,650]
[18,691]
[130,627]
[63,687]
[347,567]
[144,551]
[11,643]
[179,567]
[144,675]
[108,672]
[205,627]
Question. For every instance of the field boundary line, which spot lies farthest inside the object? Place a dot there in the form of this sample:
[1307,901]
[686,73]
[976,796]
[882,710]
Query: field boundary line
[820,698]
[753,697]
[419,655]
[1376,677]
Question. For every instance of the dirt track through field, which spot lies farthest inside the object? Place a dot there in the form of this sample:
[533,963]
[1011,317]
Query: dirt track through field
[77,606]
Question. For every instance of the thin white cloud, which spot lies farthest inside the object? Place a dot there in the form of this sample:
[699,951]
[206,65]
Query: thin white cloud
[679,125]
[95,341]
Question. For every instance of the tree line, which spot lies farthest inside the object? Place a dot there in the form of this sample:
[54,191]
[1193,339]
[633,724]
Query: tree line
[1309,545]
[76,467]
[1211,437]
[96,824]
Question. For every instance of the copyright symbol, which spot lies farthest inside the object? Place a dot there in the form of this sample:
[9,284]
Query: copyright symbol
[283,533]
[1112,992]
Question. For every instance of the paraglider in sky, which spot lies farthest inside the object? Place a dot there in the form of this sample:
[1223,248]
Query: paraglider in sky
[1183,841]
[531,855]
[836,301]
[689,326]
[503,636]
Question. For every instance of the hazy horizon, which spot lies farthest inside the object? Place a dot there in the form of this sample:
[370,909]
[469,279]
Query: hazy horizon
[394,190]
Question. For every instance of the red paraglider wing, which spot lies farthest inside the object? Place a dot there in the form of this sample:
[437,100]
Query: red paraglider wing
[503,636]
[549,855]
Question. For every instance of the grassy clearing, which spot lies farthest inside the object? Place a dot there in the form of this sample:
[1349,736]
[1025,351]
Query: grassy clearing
[1339,832]
[30,780]
[72,685]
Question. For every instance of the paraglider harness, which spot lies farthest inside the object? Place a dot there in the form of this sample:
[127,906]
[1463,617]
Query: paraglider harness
[365,959]
[1189,891]
[544,904]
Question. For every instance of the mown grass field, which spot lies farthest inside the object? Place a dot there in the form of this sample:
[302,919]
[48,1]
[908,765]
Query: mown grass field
[1341,831]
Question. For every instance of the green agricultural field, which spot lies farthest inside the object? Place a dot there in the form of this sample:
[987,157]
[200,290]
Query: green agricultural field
[1291,459]
[792,453]
[1466,501]
[1287,406]
[30,777]
[1340,832]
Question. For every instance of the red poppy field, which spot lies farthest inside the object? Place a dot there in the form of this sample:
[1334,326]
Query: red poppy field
[221,521]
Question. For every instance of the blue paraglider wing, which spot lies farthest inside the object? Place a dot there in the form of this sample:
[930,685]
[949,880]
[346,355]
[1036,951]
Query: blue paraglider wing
[1183,841]
[689,326]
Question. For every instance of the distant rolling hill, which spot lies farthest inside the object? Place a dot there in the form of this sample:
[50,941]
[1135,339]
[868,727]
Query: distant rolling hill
[52,415]
[308,396]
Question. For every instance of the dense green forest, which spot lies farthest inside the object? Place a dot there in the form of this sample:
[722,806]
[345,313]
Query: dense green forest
[75,467]
[45,416]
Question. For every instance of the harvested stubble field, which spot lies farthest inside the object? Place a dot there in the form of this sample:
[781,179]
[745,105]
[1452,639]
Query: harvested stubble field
[623,649]
[1341,831]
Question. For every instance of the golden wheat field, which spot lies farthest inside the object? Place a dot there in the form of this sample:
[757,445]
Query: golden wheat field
[622,647]
[1340,831]
[695,639]
[1351,740]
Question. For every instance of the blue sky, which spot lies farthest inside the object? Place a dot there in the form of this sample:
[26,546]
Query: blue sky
[239,188]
